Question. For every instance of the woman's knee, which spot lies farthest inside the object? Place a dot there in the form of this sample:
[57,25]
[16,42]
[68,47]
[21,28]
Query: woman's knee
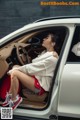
[14,73]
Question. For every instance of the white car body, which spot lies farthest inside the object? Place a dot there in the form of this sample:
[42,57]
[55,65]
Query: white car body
[65,96]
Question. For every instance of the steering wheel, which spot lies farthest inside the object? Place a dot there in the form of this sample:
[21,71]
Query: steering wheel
[22,55]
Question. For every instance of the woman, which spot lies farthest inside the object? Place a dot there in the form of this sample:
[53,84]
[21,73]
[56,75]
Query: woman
[36,76]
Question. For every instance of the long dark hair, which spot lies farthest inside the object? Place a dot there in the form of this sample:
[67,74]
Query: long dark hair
[53,38]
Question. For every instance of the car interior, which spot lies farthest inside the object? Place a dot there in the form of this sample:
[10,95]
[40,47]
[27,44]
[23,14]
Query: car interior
[20,51]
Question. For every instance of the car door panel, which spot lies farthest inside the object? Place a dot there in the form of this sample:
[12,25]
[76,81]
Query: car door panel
[69,97]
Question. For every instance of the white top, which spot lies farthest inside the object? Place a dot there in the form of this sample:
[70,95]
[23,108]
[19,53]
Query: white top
[42,68]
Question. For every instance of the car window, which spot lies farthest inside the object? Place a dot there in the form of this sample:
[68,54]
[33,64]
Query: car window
[74,53]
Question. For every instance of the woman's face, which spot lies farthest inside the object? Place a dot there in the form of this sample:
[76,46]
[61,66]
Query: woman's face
[47,42]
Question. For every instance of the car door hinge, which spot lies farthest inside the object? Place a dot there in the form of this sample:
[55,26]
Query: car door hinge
[53,117]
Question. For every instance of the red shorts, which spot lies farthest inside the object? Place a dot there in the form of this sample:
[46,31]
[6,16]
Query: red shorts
[38,87]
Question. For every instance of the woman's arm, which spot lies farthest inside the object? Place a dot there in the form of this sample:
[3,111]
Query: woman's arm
[40,67]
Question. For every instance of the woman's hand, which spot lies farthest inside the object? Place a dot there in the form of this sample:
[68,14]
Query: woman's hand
[15,67]
[9,72]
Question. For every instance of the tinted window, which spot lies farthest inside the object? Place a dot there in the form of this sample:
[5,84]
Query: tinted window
[74,53]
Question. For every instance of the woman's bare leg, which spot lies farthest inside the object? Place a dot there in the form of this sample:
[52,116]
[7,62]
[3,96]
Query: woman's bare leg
[25,80]
[14,87]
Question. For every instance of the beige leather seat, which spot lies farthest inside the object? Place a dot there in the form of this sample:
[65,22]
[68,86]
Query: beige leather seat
[34,97]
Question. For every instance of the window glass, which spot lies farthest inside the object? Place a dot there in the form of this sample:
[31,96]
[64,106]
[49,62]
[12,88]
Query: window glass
[74,53]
